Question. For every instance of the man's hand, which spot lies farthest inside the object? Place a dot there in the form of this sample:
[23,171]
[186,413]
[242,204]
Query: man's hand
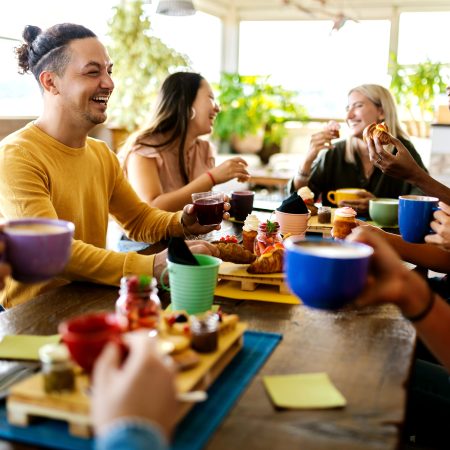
[198,247]
[441,226]
[190,222]
[143,386]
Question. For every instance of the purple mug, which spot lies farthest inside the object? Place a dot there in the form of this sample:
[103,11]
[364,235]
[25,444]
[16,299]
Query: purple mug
[37,249]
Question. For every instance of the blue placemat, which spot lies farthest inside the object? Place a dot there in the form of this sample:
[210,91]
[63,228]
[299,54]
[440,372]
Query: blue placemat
[194,431]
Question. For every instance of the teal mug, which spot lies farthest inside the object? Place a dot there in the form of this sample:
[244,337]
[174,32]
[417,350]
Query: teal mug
[192,287]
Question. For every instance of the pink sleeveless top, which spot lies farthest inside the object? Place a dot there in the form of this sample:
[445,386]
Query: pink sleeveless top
[198,159]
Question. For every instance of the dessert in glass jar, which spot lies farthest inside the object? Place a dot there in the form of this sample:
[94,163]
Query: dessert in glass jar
[268,235]
[138,305]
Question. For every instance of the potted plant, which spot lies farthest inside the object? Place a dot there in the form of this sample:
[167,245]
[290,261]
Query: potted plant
[253,111]
[141,63]
[415,88]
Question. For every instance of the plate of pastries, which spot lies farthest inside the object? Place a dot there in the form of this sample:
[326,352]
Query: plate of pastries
[254,256]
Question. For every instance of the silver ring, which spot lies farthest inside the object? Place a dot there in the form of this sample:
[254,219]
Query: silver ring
[379,160]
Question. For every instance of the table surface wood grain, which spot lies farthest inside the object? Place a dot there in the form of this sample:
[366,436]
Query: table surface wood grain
[367,355]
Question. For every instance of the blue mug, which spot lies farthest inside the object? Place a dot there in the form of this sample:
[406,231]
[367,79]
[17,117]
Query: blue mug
[415,212]
[326,274]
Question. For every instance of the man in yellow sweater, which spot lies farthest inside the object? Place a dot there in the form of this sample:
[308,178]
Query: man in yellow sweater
[51,168]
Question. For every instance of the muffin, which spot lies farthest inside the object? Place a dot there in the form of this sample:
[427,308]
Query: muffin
[249,232]
[343,223]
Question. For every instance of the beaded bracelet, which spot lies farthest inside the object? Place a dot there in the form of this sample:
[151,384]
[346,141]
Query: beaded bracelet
[426,310]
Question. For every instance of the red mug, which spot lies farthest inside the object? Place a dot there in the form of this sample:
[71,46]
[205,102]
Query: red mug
[87,335]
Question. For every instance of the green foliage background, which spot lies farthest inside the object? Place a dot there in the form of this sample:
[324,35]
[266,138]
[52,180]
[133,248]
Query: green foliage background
[416,86]
[249,102]
[141,63]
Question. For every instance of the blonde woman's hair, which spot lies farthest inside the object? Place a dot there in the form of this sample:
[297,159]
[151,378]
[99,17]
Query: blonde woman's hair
[383,99]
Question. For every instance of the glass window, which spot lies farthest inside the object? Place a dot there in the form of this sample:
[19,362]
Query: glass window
[320,64]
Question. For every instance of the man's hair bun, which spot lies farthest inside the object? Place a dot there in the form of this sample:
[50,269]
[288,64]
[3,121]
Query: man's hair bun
[30,33]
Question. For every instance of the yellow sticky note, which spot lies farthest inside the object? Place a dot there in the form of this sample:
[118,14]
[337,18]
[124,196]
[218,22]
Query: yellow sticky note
[304,391]
[24,346]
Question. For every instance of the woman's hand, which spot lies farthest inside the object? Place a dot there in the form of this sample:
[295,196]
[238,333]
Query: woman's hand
[140,387]
[401,165]
[319,141]
[229,169]
[441,226]
[361,204]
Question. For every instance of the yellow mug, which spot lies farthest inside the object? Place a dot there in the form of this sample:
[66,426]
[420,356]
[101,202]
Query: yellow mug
[339,195]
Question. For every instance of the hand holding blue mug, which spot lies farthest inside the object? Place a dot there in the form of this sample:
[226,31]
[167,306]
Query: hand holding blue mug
[441,227]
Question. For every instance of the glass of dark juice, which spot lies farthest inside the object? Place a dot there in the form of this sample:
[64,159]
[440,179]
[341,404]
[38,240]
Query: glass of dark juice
[209,207]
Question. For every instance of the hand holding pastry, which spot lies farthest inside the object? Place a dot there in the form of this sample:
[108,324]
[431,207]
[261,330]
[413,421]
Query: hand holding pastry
[399,165]
[379,131]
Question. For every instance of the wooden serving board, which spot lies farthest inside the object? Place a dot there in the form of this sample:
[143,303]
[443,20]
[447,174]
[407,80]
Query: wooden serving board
[28,399]
[249,281]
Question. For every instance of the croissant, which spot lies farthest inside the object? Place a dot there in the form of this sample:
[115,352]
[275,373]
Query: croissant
[379,130]
[235,253]
[268,263]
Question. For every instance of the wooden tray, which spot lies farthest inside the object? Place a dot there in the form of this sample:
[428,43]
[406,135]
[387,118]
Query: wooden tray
[28,399]
[249,281]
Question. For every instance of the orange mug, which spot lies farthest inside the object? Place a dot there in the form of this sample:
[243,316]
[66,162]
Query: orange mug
[339,195]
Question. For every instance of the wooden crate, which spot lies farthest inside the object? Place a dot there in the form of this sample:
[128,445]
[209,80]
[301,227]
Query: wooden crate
[249,281]
[28,399]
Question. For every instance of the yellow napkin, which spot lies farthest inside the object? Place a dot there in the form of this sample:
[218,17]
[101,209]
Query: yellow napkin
[263,292]
[24,346]
[303,391]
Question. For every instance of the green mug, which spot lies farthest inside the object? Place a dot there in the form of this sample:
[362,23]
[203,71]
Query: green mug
[192,287]
[384,211]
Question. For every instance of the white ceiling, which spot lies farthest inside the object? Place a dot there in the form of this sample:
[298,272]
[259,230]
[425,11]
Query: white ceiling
[315,9]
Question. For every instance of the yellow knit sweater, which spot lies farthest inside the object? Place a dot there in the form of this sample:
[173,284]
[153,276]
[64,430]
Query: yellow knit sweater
[40,177]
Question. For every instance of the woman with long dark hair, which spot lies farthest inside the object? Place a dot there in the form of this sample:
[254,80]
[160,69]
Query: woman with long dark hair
[166,161]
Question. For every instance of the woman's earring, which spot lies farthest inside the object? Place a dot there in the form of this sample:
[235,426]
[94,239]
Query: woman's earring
[193,114]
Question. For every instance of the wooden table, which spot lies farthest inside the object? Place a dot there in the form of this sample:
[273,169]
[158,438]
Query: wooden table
[367,354]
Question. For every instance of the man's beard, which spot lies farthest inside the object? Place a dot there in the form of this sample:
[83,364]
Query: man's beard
[95,119]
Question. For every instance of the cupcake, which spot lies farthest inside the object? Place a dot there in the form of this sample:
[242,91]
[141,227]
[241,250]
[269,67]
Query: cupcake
[249,232]
[308,197]
[343,223]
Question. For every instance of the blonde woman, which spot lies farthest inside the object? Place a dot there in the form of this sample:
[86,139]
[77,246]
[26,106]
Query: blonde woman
[347,163]
[166,161]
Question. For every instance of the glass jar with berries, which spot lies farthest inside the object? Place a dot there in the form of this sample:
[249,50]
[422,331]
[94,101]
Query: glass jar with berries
[268,235]
[138,305]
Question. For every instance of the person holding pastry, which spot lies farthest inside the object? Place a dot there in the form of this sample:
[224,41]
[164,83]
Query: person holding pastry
[347,163]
